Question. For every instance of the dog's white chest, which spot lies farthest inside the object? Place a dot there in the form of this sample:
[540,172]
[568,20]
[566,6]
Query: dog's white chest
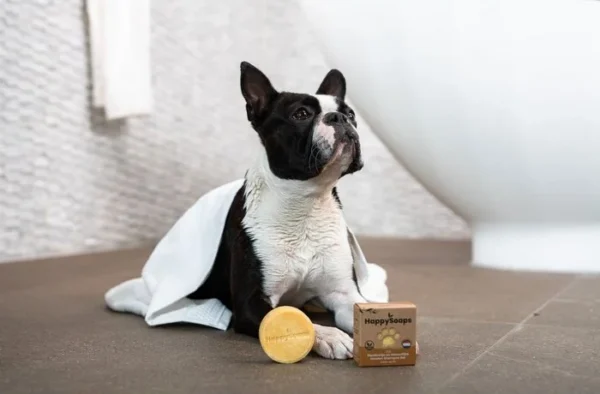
[304,252]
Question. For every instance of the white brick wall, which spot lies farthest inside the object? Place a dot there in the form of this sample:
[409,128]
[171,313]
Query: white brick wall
[69,182]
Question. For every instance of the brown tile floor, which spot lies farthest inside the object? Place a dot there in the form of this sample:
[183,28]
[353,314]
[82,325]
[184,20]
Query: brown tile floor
[480,331]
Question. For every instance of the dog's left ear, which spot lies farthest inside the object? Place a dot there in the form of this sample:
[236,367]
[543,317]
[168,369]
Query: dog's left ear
[257,91]
[334,84]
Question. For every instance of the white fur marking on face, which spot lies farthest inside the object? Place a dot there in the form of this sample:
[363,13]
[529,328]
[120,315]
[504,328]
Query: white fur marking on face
[324,132]
[327,103]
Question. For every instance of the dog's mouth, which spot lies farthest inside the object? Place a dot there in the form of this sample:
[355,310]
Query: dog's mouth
[352,143]
[347,139]
[357,162]
[354,147]
[346,157]
[341,154]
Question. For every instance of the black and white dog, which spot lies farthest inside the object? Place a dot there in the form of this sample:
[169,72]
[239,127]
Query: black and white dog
[285,240]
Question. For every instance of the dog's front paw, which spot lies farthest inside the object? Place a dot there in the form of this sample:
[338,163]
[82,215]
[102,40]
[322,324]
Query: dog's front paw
[332,343]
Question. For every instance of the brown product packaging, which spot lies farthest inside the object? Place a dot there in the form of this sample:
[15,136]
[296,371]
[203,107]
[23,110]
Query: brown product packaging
[385,334]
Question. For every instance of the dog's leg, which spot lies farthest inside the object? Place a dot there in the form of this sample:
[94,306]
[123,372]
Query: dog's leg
[334,342]
[249,303]
[248,312]
[341,303]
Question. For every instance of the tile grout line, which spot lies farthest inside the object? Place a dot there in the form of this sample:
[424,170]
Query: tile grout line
[518,326]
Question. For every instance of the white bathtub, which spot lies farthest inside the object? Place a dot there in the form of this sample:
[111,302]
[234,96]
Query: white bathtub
[493,105]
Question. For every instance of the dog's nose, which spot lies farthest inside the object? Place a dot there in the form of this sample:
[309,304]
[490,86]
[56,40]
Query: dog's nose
[332,118]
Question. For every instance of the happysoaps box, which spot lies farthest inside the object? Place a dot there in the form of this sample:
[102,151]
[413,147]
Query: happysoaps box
[385,334]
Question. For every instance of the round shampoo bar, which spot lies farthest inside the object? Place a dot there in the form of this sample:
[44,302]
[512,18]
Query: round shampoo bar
[286,335]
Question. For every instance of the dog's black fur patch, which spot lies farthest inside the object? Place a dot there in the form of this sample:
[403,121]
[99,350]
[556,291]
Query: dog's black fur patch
[236,277]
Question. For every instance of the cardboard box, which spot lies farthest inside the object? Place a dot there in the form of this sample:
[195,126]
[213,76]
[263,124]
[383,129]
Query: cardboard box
[385,334]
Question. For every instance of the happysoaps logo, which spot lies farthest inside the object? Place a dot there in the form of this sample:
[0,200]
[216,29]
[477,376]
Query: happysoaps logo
[292,336]
[390,319]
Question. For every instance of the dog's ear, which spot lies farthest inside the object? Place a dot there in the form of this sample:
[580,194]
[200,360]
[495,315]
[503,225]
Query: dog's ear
[257,91]
[334,84]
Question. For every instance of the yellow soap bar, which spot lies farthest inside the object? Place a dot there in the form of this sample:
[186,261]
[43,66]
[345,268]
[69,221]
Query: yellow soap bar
[286,335]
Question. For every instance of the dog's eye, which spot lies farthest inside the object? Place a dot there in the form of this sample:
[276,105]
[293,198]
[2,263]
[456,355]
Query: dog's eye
[301,114]
[351,115]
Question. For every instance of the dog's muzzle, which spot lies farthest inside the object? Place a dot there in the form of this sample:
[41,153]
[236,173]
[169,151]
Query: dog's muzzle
[345,133]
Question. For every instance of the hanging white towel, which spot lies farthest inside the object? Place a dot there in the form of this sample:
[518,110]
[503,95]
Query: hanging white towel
[183,259]
[119,33]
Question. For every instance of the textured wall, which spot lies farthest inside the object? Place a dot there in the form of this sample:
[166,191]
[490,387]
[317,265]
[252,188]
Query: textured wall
[69,182]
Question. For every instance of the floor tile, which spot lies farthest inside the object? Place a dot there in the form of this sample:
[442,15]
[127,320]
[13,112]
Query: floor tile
[536,359]
[583,289]
[569,313]
[472,293]
[575,351]
[66,270]
[97,354]
[58,337]
[448,346]
[416,251]
[498,375]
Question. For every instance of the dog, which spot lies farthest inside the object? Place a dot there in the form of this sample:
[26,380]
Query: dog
[285,239]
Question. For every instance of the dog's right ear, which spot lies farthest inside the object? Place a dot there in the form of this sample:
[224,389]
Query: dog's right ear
[334,84]
[257,91]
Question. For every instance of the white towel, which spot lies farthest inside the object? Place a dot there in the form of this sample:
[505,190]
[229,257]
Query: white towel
[183,259]
[119,33]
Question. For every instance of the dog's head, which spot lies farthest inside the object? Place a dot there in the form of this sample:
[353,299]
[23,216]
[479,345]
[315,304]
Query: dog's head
[305,136]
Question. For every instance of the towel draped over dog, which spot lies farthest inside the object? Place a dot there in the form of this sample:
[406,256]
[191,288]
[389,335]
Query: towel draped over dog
[183,260]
